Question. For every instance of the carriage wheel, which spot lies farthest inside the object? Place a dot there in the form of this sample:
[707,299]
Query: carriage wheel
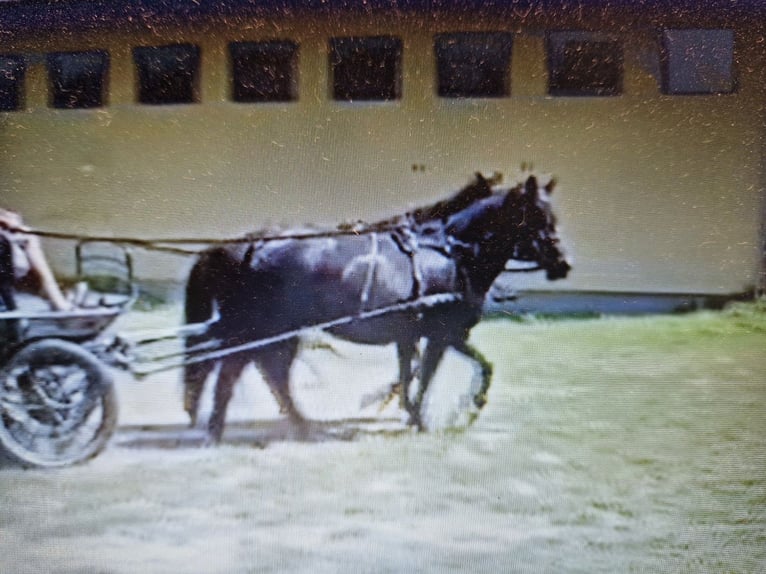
[58,405]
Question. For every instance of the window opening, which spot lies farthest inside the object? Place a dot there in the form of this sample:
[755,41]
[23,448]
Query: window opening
[264,71]
[77,79]
[584,64]
[366,68]
[167,74]
[698,61]
[473,64]
[11,82]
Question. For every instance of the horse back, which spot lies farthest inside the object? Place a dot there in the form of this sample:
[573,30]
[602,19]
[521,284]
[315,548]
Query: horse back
[345,273]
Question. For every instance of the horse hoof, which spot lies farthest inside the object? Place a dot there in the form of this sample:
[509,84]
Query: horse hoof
[298,429]
[209,442]
[212,438]
[416,422]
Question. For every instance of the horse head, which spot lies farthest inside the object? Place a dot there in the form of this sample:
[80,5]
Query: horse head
[515,224]
[529,211]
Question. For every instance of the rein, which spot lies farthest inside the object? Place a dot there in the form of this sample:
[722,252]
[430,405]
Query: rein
[524,269]
[212,350]
[167,245]
[172,245]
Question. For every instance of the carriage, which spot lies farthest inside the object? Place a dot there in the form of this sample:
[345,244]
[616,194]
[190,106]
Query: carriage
[419,277]
[58,404]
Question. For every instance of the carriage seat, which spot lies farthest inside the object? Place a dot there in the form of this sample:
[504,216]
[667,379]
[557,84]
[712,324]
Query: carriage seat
[30,303]
[85,298]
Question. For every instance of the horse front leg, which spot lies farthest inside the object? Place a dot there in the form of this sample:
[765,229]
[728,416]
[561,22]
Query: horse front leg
[485,372]
[432,356]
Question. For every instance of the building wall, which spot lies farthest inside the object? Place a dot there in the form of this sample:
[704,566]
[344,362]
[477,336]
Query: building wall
[657,193]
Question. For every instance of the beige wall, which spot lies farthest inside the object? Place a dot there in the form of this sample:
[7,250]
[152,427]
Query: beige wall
[657,193]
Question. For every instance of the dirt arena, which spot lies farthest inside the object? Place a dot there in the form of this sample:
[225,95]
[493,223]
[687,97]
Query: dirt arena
[607,445]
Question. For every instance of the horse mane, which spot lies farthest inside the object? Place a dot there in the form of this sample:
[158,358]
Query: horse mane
[440,211]
[478,189]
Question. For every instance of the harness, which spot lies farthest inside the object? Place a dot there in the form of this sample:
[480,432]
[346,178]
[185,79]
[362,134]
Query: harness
[412,243]
[371,268]
[214,349]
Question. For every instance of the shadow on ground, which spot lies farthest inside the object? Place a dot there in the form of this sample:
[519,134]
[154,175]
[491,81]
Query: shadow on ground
[256,434]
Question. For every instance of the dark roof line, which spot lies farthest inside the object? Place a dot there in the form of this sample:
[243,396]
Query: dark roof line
[30,15]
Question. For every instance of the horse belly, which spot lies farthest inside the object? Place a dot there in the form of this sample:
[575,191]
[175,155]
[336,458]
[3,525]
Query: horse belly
[380,330]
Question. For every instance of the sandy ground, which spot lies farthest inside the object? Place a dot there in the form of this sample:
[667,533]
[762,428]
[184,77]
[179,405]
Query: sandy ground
[607,446]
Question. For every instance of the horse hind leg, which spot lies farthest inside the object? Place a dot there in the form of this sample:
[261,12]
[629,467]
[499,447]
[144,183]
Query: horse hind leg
[231,369]
[432,356]
[195,376]
[274,363]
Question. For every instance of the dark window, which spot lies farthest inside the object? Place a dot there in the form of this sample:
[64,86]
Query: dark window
[474,65]
[697,61]
[366,68]
[584,65]
[264,71]
[167,74]
[11,83]
[77,79]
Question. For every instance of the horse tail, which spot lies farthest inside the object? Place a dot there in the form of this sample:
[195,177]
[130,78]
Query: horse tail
[7,275]
[200,298]
[199,306]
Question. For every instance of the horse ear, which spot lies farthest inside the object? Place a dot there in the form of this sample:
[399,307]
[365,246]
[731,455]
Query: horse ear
[550,186]
[481,189]
[530,187]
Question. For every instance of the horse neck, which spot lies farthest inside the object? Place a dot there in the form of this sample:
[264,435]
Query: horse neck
[479,269]
[479,261]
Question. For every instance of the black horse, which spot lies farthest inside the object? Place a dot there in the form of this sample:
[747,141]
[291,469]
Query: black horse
[424,275]
[7,278]
[8,327]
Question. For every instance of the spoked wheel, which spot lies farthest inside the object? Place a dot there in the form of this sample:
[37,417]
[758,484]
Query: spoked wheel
[58,405]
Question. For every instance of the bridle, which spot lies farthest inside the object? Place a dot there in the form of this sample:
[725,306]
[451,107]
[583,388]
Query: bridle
[523,269]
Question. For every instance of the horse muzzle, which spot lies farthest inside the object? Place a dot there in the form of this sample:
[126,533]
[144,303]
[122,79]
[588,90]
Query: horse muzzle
[558,270]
